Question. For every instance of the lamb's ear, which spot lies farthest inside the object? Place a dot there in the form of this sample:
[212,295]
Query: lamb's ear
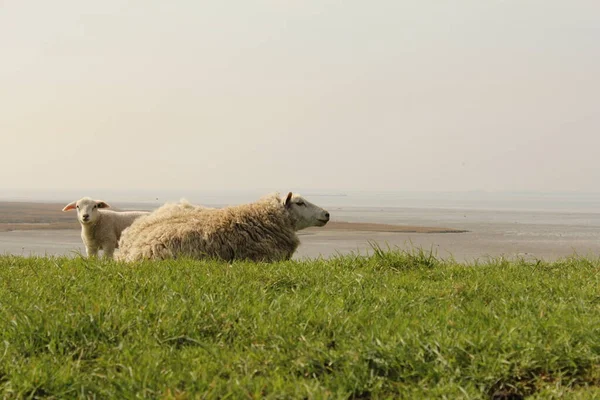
[70,206]
[102,204]
[288,200]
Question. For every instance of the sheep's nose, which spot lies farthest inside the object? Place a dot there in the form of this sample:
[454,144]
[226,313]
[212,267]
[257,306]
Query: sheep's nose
[326,215]
[86,216]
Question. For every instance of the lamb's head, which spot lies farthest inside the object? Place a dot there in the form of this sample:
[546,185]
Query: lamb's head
[304,213]
[87,209]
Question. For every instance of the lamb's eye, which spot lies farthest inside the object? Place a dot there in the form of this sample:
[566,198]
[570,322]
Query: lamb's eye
[301,203]
[96,206]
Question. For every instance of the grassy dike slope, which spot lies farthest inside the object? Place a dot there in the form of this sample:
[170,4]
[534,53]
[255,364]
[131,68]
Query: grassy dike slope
[392,325]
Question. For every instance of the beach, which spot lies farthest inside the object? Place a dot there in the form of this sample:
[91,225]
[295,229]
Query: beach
[465,234]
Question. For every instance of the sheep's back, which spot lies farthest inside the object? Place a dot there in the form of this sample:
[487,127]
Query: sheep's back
[256,231]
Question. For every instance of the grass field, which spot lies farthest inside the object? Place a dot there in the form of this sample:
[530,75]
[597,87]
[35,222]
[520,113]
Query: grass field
[392,325]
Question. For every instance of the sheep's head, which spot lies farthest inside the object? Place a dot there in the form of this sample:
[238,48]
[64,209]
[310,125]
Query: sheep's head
[304,213]
[87,209]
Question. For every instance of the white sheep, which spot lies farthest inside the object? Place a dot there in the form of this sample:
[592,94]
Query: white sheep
[101,229]
[260,231]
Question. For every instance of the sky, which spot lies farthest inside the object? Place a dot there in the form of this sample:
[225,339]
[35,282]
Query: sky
[395,95]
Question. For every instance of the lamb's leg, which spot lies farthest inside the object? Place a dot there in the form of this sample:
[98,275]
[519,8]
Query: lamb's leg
[109,250]
[91,251]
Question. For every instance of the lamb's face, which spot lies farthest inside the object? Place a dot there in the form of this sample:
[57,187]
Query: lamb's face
[305,213]
[87,209]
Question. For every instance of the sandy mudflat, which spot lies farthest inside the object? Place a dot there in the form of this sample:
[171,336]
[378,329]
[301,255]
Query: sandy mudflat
[377,227]
[332,226]
[16,216]
[35,216]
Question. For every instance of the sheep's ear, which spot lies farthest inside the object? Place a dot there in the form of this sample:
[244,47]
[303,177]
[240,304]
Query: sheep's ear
[288,200]
[70,206]
[102,204]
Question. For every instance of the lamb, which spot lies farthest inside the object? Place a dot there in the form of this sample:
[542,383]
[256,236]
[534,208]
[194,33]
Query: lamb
[261,231]
[101,229]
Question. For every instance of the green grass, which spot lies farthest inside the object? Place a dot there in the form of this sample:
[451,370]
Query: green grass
[393,325]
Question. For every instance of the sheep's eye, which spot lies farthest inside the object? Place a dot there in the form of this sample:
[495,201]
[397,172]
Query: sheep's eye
[96,206]
[301,203]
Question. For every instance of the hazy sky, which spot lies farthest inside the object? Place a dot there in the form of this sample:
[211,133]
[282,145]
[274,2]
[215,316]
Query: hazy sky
[234,95]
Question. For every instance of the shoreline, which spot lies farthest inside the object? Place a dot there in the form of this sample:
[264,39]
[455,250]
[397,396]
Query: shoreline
[383,228]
